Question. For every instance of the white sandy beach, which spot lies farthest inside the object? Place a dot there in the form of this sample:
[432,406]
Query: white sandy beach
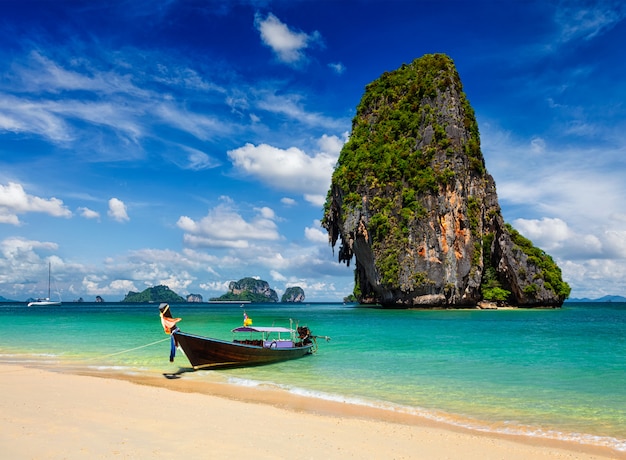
[51,415]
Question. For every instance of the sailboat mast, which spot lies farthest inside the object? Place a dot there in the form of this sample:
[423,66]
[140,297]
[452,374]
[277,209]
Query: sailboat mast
[49,269]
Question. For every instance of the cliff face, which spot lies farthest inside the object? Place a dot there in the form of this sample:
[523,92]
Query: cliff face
[294,294]
[412,201]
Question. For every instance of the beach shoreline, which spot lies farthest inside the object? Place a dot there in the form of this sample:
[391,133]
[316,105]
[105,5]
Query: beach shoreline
[79,413]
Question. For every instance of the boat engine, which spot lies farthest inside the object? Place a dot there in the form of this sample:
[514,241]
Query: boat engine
[304,334]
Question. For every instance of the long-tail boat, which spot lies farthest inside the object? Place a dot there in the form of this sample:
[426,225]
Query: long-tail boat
[251,345]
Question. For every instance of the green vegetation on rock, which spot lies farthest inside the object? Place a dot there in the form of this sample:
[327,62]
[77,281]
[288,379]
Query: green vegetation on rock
[412,200]
[154,294]
[293,294]
[248,289]
[549,271]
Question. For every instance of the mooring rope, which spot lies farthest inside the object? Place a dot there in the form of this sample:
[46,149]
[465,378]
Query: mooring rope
[131,349]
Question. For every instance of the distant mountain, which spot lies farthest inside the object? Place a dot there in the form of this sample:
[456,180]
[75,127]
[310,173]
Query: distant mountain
[606,298]
[4,299]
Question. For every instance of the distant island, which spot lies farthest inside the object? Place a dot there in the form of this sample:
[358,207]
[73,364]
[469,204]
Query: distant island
[259,291]
[253,290]
[293,294]
[245,290]
[154,294]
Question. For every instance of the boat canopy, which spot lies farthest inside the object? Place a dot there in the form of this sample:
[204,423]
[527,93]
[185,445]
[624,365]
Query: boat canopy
[261,329]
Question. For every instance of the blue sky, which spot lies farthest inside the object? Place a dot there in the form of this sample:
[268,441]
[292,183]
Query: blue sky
[191,143]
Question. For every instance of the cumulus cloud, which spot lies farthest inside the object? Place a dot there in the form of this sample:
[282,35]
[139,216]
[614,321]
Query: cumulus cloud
[14,200]
[556,237]
[288,45]
[216,286]
[616,241]
[16,249]
[95,285]
[117,210]
[549,233]
[89,213]
[290,169]
[223,226]
[315,234]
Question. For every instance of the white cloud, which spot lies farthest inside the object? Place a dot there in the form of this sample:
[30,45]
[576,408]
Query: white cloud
[26,116]
[547,233]
[16,249]
[288,201]
[287,44]
[117,210]
[14,200]
[216,286]
[94,285]
[89,213]
[223,226]
[41,97]
[616,242]
[315,234]
[277,276]
[292,169]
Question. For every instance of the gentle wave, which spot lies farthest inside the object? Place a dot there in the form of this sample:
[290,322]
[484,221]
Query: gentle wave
[507,428]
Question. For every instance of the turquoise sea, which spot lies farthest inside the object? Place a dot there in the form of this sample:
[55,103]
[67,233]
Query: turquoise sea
[557,374]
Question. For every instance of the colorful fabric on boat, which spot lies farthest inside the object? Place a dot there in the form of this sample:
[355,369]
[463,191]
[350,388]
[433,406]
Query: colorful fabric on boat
[246,320]
[169,324]
[173,345]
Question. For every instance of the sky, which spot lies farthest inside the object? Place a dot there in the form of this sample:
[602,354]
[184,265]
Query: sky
[192,143]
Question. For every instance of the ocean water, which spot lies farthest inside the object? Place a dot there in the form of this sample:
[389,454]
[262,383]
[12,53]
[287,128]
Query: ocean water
[557,374]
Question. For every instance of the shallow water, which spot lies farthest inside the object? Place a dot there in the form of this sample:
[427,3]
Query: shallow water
[551,373]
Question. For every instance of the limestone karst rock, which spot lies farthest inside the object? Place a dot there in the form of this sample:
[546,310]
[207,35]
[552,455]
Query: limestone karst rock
[412,201]
[250,289]
[293,294]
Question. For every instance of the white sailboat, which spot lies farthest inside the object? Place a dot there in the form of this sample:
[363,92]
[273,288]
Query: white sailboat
[45,302]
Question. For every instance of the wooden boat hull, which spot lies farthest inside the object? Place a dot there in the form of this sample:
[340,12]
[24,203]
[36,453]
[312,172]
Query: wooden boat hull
[206,352]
